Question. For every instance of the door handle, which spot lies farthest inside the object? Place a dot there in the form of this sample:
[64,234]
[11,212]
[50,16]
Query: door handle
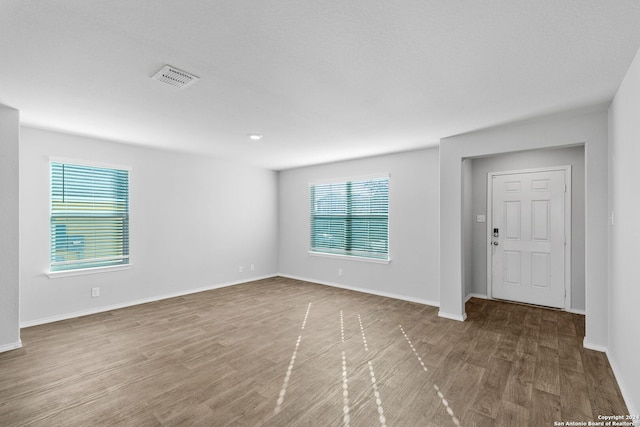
[494,243]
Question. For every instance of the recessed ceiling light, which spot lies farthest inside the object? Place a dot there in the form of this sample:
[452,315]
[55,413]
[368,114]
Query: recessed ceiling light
[255,136]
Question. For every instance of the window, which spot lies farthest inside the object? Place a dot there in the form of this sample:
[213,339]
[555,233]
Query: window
[351,218]
[89,217]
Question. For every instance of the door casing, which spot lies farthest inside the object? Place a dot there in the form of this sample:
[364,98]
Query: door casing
[567,226]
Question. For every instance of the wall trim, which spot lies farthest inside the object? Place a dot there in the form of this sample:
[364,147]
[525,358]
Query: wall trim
[631,408]
[364,290]
[473,295]
[590,346]
[9,347]
[483,296]
[452,316]
[96,310]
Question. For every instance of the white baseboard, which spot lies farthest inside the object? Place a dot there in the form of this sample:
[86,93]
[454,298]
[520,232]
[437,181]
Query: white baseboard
[483,296]
[364,290]
[631,408]
[7,347]
[452,316]
[586,344]
[12,346]
[472,295]
[96,310]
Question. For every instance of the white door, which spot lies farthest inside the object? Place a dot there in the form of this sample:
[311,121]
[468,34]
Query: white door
[528,237]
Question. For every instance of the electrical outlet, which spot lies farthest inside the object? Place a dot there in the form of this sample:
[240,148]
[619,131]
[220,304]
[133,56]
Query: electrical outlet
[95,292]
[240,269]
[339,272]
[252,267]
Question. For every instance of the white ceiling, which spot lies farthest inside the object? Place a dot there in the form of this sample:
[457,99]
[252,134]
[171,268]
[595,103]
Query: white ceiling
[322,80]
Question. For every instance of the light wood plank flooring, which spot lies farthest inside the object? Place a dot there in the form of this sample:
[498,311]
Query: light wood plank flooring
[281,352]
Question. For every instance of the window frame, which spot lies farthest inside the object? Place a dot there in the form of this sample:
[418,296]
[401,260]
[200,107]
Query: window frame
[89,270]
[318,253]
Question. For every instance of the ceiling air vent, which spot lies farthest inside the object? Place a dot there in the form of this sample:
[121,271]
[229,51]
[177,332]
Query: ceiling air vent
[175,77]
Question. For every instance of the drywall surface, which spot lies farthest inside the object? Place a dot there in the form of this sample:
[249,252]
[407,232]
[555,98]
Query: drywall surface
[194,221]
[588,129]
[467,226]
[573,156]
[413,227]
[9,220]
[624,273]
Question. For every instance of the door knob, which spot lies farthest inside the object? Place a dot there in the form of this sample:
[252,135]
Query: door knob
[494,243]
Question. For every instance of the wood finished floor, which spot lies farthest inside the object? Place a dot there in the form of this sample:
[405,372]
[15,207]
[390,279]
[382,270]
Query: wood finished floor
[230,356]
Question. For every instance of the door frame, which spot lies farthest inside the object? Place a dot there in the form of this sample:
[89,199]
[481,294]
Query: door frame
[567,226]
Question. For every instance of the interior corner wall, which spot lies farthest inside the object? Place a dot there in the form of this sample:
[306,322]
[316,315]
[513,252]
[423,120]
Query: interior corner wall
[194,221]
[624,273]
[413,272]
[562,130]
[9,223]
[573,156]
[467,226]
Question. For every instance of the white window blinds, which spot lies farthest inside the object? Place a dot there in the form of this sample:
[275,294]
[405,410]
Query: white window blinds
[89,216]
[351,218]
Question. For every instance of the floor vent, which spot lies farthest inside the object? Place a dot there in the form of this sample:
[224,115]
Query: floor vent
[175,77]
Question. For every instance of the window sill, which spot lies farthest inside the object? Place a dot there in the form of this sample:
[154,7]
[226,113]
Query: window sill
[350,257]
[84,271]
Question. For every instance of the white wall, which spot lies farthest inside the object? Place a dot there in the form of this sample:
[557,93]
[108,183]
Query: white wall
[413,227]
[573,156]
[467,226]
[624,273]
[9,220]
[193,222]
[589,129]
